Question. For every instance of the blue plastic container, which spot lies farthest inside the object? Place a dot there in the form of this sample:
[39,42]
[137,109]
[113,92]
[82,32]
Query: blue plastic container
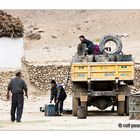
[50,110]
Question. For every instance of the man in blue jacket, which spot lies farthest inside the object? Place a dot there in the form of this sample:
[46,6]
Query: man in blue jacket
[89,44]
[58,94]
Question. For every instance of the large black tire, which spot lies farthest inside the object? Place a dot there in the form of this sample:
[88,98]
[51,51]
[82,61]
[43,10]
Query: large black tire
[74,106]
[84,104]
[126,103]
[113,38]
[121,108]
[77,89]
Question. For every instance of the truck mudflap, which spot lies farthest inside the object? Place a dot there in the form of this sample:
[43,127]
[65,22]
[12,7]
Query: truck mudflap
[121,98]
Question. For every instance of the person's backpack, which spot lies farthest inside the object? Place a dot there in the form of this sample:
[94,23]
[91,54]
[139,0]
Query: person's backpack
[96,49]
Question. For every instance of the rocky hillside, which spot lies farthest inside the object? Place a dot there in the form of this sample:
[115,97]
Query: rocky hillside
[61,28]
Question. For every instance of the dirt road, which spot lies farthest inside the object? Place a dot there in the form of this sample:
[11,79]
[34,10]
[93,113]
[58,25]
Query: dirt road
[34,120]
[101,121]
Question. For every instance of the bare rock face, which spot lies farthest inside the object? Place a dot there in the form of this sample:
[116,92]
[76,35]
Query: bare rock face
[33,35]
[10,26]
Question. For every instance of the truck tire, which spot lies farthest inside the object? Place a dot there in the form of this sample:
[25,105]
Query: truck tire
[84,104]
[74,106]
[121,108]
[128,90]
[77,89]
[126,105]
[113,38]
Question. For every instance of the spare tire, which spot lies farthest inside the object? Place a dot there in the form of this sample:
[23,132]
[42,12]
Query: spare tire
[113,38]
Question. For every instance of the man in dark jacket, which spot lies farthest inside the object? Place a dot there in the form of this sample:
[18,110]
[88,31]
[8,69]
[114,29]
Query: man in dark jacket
[17,86]
[58,94]
[89,44]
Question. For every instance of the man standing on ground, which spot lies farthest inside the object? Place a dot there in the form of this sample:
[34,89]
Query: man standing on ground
[59,95]
[89,44]
[17,86]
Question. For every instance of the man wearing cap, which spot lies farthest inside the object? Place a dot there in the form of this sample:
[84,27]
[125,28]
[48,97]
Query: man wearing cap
[17,86]
[58,94]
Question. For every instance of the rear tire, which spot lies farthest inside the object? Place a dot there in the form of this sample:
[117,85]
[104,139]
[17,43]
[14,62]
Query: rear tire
[74,106]
[84,104]
[77,89]
[121,108]
[127,105]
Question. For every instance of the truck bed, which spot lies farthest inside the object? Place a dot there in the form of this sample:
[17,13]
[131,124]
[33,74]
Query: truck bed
[102,71]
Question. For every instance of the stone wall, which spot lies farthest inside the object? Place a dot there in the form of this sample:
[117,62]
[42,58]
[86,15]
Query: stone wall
[41,75]
[5,77]
[38,77]
[137,77]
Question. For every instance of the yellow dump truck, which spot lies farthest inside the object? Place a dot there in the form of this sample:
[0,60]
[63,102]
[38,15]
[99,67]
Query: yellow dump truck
[102,84]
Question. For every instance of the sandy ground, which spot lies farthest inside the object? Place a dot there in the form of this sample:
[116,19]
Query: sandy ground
[63,55]
[33,103]
[33,119]
[100,121]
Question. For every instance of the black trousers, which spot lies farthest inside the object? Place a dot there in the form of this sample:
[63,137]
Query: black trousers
[59,106]
[17,106]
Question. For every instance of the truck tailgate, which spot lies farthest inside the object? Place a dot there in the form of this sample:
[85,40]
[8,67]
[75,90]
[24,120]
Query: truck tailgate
[102,71]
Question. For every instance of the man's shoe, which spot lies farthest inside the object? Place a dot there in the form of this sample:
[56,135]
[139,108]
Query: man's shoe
[12,121]
[18,121]
[56,114]
[61,114]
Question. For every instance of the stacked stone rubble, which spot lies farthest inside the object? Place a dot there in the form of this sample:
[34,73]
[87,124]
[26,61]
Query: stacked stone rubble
[5,77]
[41,75]
[137,78]
[10,26]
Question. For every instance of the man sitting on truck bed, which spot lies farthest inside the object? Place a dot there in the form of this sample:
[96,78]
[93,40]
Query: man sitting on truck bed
[89,44]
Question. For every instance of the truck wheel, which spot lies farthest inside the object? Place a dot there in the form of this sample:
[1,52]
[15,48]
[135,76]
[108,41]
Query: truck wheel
[84,104]
[127,105]
[128,91]
[121,108]
[74,106]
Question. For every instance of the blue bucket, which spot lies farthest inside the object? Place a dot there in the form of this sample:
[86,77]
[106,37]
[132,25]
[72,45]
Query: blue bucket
[50,110]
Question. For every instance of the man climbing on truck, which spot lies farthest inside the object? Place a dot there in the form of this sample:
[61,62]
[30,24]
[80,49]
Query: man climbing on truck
[89,44]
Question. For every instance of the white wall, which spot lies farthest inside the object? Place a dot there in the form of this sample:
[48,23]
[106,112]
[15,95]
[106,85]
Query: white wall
[11,51]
